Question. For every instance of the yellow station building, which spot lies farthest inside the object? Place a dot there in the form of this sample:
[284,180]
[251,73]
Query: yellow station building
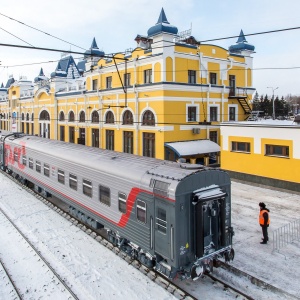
[164,99]
[264,152]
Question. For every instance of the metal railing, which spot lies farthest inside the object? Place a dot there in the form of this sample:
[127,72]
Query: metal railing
[286,235]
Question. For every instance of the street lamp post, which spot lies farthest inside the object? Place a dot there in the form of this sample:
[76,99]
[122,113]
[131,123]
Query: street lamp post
[269,87]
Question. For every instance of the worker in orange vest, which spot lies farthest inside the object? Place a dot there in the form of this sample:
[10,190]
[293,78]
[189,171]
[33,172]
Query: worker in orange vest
[264,221]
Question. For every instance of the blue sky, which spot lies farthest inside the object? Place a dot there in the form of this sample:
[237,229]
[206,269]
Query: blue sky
[115,24]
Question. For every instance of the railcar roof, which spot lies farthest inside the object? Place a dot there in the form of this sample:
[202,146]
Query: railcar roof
[117,163]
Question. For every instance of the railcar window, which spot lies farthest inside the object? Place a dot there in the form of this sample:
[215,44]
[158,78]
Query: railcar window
[30,163]
[122,202]
[104,195]
[15,155]
[161,220]
[61,176]
[38,166]
[87,187]
[24,160]
[141,210]
[46,170]
[73,182]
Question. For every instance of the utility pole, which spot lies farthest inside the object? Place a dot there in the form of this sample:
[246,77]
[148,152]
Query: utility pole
[269,87]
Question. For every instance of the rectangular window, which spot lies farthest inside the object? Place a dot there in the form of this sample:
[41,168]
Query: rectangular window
[38,166]
[232,85]
[122,202]
[30,163]
[276,150]
[141,211]
[231,113]
[46,170]
[61,176]
[148,144]
[128,142]
[192,111]
[24,160]
[73,182]
[213,78]
[213,136]
[161,220]
[108,82]
[110,140]
[127,79]
[213,114]
[104,195]
[87,188]
[95,84]
[148,76]
[191,76]
[240,147]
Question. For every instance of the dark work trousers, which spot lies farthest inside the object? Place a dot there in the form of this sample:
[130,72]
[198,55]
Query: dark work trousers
[265,233]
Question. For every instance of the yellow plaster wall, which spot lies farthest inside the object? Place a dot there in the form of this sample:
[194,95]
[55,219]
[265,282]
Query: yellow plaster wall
[207,50]
[169,69]
[157,72]
[258,163]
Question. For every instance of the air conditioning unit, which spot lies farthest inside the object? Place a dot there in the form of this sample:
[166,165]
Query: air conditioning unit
[196,130]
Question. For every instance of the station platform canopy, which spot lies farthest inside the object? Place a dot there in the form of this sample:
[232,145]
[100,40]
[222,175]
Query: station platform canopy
[193,148]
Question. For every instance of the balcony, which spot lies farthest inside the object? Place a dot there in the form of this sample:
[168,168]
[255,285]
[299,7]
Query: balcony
[240,94]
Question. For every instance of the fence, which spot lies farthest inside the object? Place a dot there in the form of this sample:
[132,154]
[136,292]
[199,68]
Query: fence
[286,235]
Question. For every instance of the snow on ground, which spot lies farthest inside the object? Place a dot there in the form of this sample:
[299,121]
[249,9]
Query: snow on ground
[96,273]
[93,271]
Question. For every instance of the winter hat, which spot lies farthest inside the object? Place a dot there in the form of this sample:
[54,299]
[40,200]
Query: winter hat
[262,205]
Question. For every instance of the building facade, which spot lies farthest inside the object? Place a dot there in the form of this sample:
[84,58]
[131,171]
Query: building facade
[264,152]
[169,89]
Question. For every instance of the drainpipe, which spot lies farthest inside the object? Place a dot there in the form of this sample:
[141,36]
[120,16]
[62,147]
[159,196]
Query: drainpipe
[222,99]
[136,109]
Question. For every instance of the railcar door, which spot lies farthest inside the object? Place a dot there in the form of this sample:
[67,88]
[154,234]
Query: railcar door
[209,221]
[163,230]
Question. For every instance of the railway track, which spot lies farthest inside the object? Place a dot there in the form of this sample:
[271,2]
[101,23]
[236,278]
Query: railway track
[39,257]
[164,282]
[9,281]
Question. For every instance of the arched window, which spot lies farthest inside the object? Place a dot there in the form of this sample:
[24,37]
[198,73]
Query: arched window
[148,118]
[45,116]
[110,119]
[27,117]
[71,116]
[95,117]
[82,116]
[127,118]
[22,116]
[61,116]
[32,117]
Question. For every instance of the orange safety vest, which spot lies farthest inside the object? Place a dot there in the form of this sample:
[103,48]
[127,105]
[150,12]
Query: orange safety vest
[261,217]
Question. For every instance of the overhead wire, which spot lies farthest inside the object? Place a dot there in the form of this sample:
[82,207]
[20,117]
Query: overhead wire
[16,36]
[41,31]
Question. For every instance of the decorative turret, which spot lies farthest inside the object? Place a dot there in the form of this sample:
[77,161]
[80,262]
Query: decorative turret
[162,26]
[40,77]
[93,51]
[162,34]
[92,55]
[3,90]
[242,47]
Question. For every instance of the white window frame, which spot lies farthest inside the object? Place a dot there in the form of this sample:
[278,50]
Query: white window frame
[197,112]
[236,111]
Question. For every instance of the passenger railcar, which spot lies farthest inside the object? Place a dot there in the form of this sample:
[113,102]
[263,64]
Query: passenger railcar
[171,216]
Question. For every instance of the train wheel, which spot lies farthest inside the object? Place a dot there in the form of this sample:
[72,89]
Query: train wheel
[196,272]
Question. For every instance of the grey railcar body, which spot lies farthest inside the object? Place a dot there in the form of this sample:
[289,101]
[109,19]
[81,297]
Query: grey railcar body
[173,216]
